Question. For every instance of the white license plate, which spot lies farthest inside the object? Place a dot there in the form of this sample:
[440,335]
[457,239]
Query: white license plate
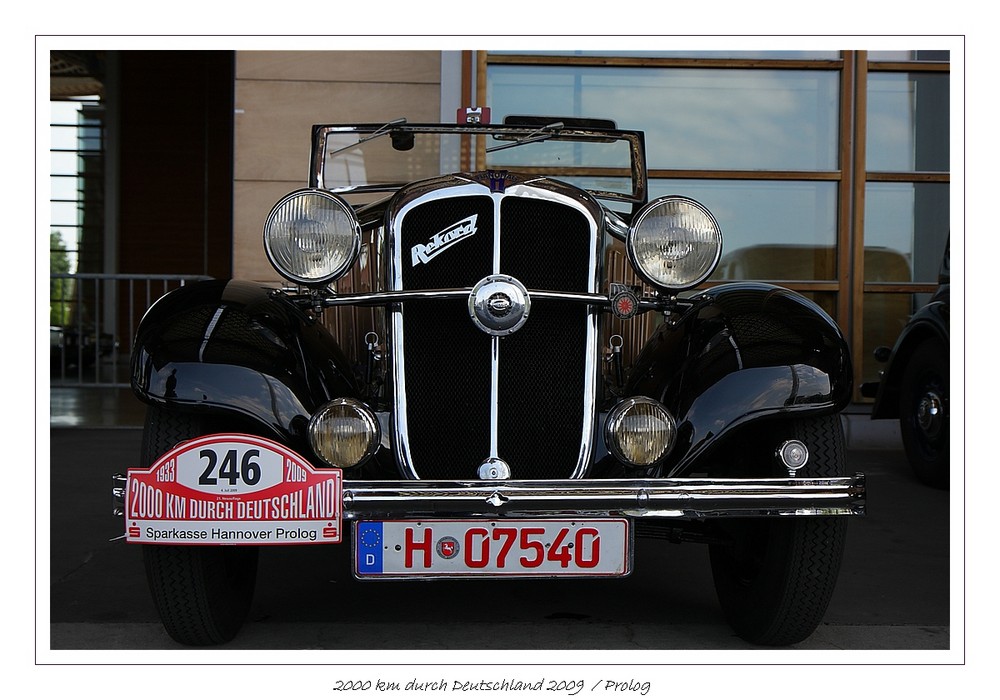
[492,548]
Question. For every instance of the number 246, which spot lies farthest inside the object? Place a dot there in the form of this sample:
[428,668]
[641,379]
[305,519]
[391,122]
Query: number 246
[231,468]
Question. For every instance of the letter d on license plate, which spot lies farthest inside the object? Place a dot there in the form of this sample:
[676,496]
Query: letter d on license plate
[492,548]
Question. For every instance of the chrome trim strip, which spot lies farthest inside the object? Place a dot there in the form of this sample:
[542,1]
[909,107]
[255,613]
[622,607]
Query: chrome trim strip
[599,301]
[497,227]
[638,498]
[495,397]
[495,342]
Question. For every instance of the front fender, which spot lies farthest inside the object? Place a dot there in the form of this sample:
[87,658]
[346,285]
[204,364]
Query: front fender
[931,321]
[742,352]
[237,348]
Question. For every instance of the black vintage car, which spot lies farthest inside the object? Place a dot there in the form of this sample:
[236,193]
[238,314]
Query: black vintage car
[496,358]
[914,386]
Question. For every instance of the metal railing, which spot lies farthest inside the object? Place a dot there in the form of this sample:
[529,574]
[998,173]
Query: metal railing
[93,319]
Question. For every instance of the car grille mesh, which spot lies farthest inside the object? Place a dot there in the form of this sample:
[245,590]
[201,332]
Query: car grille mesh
[543,369]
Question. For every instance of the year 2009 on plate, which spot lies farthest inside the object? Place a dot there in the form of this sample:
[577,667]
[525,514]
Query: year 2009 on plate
[540,547]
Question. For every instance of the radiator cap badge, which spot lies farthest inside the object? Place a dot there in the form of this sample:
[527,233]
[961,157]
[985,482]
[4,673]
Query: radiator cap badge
[499,305]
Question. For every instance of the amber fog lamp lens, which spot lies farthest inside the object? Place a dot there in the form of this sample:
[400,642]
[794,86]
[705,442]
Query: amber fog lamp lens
[344,433]
[312,237]
[640,431]
[675,243]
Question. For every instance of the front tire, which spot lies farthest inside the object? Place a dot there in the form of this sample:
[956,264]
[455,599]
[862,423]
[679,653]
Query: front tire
[774,577]
[202,593]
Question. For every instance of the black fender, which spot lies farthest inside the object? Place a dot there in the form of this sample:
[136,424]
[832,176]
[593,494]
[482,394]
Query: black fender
[931,321]
[237,348]
[743,352]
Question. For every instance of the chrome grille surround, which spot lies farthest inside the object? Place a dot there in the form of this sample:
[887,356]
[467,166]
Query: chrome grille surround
[455,188]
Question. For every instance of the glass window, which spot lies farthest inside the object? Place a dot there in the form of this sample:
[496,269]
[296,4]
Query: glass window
[693,118]
[771,230]
[906,231]
[909,55]
[908,122]
[885,314]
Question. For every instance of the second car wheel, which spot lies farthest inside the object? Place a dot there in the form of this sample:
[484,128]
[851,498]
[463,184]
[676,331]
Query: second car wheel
[774,576]
[202,593]
[923,413]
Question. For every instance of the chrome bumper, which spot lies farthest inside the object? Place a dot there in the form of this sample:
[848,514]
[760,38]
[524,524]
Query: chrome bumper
[637,498]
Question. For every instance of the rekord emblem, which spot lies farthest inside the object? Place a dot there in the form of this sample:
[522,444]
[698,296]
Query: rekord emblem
[443,240]
[447,547]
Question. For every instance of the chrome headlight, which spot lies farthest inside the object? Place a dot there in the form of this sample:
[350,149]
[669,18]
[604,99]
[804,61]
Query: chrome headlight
[640,431]
[674,243]
[312,237]
[344,433]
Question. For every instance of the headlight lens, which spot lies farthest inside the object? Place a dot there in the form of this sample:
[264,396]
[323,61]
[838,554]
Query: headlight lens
[344,433]
[640,431]
[674,243]
[312,237]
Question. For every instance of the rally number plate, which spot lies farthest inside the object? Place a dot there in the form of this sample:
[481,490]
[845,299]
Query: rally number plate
[493,548]
[233,489]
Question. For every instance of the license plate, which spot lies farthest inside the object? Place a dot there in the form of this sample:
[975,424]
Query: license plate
[524,548]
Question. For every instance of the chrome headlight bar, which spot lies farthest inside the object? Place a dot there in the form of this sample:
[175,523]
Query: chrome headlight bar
[599,301]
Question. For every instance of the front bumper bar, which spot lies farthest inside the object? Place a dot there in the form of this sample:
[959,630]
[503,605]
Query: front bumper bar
[637,498]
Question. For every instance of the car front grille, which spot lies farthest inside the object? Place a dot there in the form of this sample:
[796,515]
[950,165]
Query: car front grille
[463,395]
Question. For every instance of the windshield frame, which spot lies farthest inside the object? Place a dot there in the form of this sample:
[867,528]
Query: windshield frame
[506,132]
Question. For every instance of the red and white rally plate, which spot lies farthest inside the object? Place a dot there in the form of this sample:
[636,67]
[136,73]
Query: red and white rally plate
[233,489]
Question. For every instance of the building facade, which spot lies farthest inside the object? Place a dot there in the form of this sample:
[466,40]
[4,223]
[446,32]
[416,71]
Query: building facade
[829,171]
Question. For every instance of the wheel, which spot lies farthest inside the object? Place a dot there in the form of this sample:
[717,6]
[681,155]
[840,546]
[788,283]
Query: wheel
[774,577]
[202,593]
[923,413]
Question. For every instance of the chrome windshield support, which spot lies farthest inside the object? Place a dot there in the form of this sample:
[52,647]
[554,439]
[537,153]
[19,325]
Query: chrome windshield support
[639,498]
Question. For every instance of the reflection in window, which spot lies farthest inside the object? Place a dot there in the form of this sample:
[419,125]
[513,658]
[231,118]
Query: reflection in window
[907,225]
[908,122]
[909,55]
[884,317]
[771,230]
[693,118]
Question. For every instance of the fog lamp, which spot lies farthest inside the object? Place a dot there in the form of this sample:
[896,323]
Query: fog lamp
[640,431]
[793,454]
[344,433]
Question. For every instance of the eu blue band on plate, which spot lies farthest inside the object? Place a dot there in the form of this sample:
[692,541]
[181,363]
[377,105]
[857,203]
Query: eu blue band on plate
[369,548]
